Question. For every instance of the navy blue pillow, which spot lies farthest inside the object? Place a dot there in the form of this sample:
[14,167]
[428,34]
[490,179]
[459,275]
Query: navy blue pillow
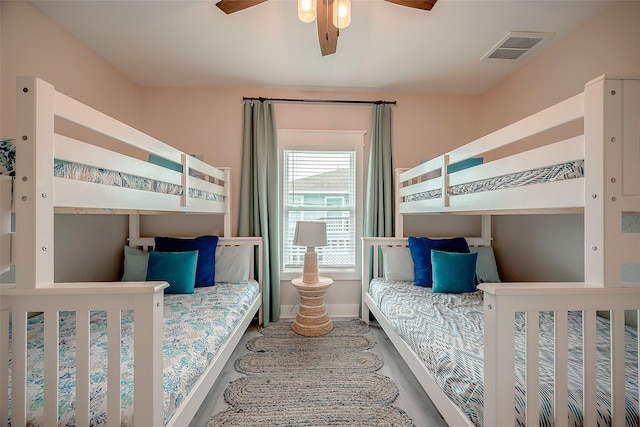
[421,248]
[453,272]
[206,247]
[176,268]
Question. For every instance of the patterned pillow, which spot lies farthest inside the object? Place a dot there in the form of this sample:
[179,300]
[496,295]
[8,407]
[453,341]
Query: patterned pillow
[7,157]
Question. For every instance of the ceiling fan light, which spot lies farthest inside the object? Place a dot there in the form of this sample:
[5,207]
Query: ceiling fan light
[342,14]
[307,10]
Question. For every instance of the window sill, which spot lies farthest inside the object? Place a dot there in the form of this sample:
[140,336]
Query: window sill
[336,275]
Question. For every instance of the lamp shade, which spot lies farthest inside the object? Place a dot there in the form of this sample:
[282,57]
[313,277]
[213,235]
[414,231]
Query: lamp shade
[310,233]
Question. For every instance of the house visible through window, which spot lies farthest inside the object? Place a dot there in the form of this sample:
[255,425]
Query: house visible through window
[322,185]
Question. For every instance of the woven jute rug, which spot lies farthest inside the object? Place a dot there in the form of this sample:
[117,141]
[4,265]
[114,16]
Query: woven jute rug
[293,380]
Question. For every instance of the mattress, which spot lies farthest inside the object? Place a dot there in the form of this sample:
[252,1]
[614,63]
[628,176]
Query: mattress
[562,171]
[446,332]
[80,172]
[196,327]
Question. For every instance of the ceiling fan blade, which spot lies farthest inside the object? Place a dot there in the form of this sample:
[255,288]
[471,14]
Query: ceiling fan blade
[327,32]
[416,4]
[231,6]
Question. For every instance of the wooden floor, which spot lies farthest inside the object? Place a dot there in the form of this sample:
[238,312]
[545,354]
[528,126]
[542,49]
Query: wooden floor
[412,399]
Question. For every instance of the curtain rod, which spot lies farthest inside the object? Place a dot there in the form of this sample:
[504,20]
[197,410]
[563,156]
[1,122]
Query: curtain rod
[318,101]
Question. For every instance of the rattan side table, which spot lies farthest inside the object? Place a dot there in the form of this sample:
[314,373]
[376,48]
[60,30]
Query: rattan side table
[312,319]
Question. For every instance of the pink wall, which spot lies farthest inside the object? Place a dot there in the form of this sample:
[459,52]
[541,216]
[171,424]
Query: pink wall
[34,45]
[209,121]
[87,248]
[607,44]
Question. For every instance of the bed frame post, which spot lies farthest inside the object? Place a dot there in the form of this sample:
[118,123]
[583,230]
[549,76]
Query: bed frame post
[366,278]
[603,183]
[227,201]
[34,183]
[399,219]
[5,224]
[148,359]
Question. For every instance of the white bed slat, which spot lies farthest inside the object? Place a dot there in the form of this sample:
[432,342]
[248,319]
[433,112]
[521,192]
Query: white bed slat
[617,368]
[90,118]
[420,187]
[422,169]
[589,368]
[5,223]
[19,368]
[566,194]
[112,198]
[533,368]
[563,112]
[51,340]
[82,368]
[113,368]
[560,391]
[560,152]
[75,151]
[200,166]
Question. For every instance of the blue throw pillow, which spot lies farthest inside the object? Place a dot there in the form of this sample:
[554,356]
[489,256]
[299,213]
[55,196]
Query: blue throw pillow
[421,248]
[453,272]
[177,268]
[206,247]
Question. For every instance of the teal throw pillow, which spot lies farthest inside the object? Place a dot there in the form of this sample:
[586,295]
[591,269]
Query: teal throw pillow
[453,272]
[135,265]
[176,268]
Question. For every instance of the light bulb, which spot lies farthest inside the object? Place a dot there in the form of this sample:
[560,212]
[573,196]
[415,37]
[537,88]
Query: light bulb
[342,13]
[307,10]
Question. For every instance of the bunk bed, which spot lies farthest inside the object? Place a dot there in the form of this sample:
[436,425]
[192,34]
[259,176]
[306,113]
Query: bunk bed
[537,353]
[106,353]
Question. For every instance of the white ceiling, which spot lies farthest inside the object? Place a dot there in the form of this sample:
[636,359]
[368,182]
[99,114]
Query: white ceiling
[387,47]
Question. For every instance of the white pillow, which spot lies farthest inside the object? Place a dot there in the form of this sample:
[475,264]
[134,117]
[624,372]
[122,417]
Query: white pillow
[397,264]
[486,268]
[233,263]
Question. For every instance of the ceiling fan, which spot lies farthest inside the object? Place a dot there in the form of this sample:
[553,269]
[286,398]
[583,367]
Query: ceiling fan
[328,29]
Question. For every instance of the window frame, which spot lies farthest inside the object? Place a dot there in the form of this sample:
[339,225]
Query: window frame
[325,140]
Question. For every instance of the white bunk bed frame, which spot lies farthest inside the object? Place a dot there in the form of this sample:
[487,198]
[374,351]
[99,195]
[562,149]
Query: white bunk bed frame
[37,196]
[611,149]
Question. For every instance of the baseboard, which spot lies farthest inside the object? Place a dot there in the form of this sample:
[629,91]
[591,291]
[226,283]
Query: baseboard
[336,311]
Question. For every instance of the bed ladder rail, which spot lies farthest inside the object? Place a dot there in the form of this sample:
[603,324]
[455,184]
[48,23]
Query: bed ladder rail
[6,258]
[503,301]
[145,299]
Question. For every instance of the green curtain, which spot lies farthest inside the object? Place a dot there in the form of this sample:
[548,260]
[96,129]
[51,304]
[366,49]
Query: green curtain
[379,208]
[259,205]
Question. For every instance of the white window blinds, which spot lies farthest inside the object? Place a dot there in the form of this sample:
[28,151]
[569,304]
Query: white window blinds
[321,186]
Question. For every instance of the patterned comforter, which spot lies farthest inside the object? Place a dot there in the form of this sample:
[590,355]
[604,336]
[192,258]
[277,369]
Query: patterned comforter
[446,332]
[196,327]
[68,170]
[569,170]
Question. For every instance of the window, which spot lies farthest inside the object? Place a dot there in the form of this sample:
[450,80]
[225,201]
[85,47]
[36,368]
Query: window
[322,183]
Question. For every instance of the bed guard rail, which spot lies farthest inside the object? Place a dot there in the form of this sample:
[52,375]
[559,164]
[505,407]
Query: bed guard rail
[145,299]
[503,301]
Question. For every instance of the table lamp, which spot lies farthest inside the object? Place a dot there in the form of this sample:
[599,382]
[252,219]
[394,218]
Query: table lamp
[310,234]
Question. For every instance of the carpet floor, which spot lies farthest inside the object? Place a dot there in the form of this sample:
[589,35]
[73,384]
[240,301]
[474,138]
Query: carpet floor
[291,380]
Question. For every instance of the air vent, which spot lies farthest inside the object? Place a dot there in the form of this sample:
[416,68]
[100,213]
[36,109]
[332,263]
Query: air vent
[515,45]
